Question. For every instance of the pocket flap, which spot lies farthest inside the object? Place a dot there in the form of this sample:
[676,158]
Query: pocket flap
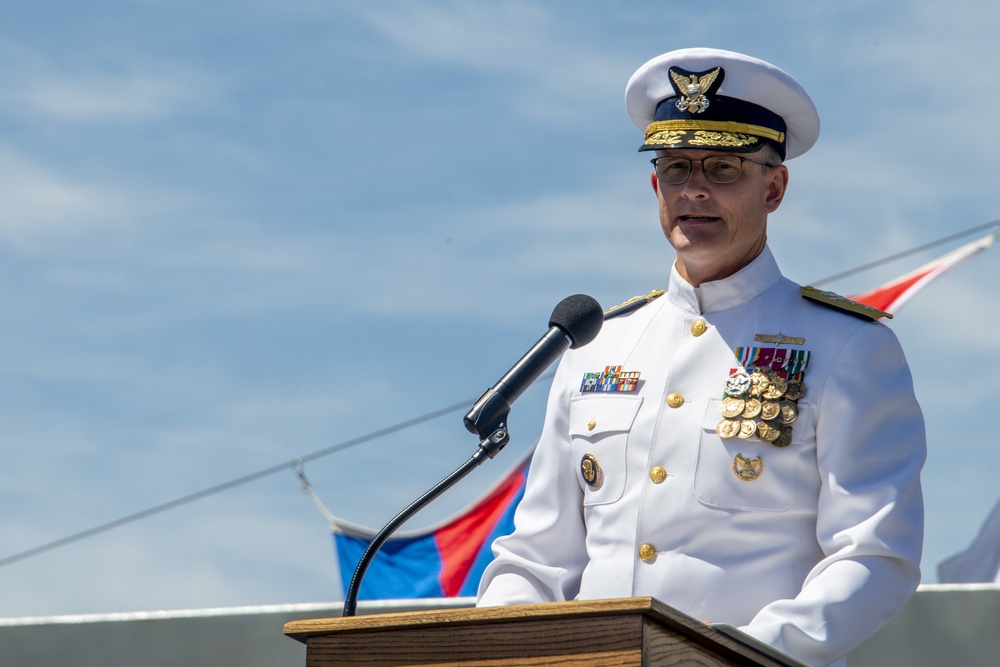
[590,416]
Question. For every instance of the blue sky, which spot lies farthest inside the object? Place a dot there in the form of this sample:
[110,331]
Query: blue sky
[234,233]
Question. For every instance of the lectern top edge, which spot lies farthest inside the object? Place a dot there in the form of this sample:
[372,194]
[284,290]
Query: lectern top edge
[428,618]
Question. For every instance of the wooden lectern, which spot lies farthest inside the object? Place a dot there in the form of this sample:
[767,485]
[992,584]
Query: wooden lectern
[620,632]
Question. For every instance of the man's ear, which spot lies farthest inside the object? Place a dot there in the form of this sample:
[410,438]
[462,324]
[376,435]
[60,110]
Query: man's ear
[654,181]
[776,185]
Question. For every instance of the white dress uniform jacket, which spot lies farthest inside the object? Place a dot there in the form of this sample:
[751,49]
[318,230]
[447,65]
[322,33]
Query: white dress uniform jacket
[812,556]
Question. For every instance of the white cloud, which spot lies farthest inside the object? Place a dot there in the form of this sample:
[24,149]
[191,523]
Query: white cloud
[35,84]
[466,34]
[547,71]
[98,96]
[39,201]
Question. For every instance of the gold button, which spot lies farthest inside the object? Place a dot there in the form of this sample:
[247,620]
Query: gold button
[591,425]
[675,400]
[699,327]
[657,474]
[647,552]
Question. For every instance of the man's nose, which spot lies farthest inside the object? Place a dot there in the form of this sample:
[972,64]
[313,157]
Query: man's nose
[697,183]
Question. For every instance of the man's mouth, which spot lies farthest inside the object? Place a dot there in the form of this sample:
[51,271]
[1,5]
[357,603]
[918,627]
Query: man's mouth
[697,218]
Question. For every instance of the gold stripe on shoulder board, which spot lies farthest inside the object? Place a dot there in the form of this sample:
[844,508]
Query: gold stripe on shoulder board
[842,303]
[633,303]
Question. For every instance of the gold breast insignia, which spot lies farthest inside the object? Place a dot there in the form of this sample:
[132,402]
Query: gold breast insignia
[778,339]
[591,471]
[747,470]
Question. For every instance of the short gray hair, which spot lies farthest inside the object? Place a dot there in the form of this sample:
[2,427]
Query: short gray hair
[770,154]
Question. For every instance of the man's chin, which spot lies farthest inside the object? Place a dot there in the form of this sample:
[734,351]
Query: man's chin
[697,240]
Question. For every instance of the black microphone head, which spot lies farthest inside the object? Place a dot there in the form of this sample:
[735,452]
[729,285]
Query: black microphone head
[580,316]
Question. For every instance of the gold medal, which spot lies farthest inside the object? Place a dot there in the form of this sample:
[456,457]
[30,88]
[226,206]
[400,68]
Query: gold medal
[770,410]
[752,409]
[776,389]
[789,412]
[795,391]
[732,407]
[591,471]
[748,429]
[758,383]
[728,428]
[784,437]
[768,432]
[746,470]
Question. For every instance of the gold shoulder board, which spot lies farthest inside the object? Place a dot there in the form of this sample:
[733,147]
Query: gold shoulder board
[634,303]
[842,303]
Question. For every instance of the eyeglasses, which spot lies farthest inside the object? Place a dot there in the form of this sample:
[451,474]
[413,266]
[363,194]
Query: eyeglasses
[672,170]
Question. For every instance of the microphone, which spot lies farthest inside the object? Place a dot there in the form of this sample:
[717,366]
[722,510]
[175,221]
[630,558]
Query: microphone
[575,321]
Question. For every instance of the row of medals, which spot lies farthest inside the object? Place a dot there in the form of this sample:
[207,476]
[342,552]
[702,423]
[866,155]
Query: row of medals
[761,404]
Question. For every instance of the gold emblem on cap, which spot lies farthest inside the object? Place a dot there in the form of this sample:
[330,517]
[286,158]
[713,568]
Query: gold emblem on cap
[672,132]
[693,89]
[591,471]
[647,552]
[746,470]
[713,139]
[664,137]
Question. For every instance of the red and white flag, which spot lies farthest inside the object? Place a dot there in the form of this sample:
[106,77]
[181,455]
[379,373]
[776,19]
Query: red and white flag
[980,562]
[891,296]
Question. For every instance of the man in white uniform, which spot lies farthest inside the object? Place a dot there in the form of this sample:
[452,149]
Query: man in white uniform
[740,448]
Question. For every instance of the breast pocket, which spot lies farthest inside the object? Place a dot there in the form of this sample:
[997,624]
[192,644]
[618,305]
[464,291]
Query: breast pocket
[598,430]
[746,474]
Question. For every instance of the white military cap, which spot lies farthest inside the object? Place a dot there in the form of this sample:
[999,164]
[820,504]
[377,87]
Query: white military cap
[720,100]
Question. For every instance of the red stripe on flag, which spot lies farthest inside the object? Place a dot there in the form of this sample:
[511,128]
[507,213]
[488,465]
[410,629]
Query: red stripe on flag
[460,541]
[891,296]
[885,297]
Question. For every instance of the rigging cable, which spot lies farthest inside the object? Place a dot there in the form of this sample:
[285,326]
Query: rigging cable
[296,463]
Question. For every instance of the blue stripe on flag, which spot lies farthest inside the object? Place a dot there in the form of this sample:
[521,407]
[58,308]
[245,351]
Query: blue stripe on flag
[402,569]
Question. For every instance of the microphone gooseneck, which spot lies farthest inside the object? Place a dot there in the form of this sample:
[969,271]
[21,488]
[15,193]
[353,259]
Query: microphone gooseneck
[575,322]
